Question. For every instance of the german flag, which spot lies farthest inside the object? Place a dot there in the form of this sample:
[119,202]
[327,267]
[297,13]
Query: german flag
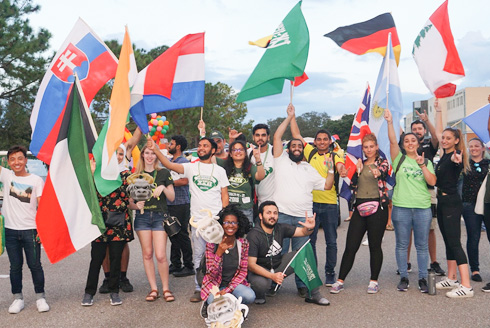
[368,36]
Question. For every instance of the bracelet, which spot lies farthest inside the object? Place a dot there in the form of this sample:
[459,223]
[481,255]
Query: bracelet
[421,165]
[258,164]
[330,171]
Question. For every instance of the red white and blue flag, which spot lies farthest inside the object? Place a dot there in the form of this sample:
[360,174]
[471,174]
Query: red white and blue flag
[174,80]
[83,53]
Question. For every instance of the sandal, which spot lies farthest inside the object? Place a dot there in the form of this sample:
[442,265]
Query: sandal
[389,227]
[152,298]
[168,298]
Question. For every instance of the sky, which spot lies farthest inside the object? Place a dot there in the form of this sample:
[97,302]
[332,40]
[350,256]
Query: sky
[337,78]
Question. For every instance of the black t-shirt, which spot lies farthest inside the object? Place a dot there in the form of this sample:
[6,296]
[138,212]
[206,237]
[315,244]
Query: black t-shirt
[267,248]
[161,177]
[229,266]
[447,173]
[473,180]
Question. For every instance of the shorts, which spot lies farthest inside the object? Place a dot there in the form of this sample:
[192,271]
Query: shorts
[149,220]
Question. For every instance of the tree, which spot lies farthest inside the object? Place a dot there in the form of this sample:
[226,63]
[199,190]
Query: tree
[23,62]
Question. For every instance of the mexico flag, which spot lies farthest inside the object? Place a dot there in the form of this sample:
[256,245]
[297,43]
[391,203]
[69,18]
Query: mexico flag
[68,216]
[436,56]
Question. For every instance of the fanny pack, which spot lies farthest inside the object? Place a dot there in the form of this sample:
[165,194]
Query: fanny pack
[368,208]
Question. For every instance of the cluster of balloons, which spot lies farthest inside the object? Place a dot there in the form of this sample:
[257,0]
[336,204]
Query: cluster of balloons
[158,126]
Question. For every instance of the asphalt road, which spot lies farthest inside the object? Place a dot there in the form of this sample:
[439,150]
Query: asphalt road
[65,282]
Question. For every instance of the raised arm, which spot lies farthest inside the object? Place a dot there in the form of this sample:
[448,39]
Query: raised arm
[260,174]
[307,226]
[394,148]
[433,134]
[132,142]
[280,131]
[439,127]
[295,129]
[179,168]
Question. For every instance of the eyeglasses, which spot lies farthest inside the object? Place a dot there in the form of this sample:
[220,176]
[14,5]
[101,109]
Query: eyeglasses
[238,150]
[233,223]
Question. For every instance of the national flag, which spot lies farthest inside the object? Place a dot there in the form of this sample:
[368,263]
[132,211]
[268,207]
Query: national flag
[304,266]
[69,217]
[285,58]
[106,176]
[478,122]
[387,94]
[84,53]
[368,36]
[436,56]
[174,80]
[360,127]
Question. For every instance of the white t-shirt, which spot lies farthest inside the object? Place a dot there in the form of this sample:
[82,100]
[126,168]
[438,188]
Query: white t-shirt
[265,189]
[294,186]
[205,183]
[20,199]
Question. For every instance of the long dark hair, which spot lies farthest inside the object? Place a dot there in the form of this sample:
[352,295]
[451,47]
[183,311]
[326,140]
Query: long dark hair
[243,223]
[230,165]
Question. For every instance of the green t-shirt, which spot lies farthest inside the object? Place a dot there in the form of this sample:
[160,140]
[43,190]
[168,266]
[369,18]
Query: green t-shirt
[411,189]
[240,189]
[161,177]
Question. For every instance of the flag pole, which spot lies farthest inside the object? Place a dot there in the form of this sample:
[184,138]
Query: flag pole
[387,65]
[292,92]
[297,252]
[85,106]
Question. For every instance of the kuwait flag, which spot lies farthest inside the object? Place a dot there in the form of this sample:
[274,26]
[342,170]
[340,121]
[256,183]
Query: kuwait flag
[436,56]
[174,80]
[106,175]
[68,217]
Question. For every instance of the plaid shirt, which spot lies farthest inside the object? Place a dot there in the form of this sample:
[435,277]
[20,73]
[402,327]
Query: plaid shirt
[182,192]
[214,267]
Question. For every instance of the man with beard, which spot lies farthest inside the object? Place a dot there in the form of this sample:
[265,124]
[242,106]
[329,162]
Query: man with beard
[324,201]
[295,180]
[208,186]
[266,262]
[181,249]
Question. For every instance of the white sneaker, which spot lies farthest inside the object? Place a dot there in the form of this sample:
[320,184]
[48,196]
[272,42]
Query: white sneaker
[460,292]
[365,242]
[42,305]
[447,283]
[16,306]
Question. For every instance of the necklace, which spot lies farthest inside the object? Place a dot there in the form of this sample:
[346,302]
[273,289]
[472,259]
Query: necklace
[199,169]
[270,245]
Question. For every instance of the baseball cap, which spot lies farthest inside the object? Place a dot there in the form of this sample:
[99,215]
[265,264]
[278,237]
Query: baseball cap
[217,134]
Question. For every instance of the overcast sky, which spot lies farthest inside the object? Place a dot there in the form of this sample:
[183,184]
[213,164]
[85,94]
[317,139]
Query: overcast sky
[337,77]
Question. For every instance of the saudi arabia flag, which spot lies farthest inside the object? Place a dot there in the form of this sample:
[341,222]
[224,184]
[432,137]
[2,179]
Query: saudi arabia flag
[68,216]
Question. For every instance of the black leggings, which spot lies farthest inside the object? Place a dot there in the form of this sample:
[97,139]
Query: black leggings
[449,209]
[375,226]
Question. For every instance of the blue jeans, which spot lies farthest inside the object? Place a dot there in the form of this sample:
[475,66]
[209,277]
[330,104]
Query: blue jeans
[295,242]
[15,241]
[404,220]
[328,216]
[198,250]
[473,224]
[247,294]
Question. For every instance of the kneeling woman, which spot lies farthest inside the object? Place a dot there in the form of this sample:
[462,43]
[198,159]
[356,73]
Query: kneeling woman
[369,185]
[149,225]
[226,263]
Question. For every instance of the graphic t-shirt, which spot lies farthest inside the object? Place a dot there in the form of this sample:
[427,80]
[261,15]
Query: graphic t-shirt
[20,195]
[265,189]
[205,184]
[161,177]
[266,247]
[240,188]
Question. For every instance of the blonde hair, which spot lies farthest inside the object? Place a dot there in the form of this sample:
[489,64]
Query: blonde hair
[140,167]
[461,147]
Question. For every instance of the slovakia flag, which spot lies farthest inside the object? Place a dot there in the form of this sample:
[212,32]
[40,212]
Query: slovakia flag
[84,53]
[174,80]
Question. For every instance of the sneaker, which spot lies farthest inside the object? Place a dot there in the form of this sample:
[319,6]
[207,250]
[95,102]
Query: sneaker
[302,292]
[196,297]
[337,288]
[423,286]
[273,292]
[403,285]
[259,301]
[204,309]
[88,300]
[42,305]
[476,277]
[330,279]
[365,242]
[126,285]
[437,268]
[173,268]
[184,272]
[486,288]
[373,287]
[447,284]
[460,292]
[104,288]
[409,268]
[16,306]
[115,299]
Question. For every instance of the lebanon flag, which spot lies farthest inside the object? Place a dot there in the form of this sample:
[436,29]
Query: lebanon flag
[106,174]
[174,80]
[68,217]
[436,56]
[83,53]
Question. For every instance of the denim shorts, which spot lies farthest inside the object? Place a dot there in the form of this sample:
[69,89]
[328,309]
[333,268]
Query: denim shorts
[149,220]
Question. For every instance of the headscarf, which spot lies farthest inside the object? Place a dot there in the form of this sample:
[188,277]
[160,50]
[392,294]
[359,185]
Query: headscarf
[123,166]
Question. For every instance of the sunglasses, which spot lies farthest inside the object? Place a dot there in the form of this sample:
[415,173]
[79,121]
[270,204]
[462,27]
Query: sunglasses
[477,167]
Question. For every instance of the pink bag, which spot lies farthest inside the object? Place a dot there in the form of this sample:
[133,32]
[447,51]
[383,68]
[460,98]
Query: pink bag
[368,208]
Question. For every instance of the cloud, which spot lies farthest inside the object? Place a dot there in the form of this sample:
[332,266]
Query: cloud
[473,50]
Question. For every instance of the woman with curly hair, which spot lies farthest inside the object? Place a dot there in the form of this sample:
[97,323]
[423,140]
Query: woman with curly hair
[369,185]
[227,263]
[242,175]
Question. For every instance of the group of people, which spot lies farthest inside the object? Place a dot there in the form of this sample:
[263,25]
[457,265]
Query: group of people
[270,200]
